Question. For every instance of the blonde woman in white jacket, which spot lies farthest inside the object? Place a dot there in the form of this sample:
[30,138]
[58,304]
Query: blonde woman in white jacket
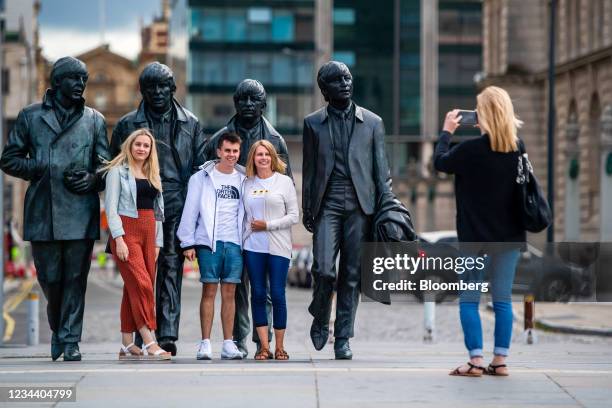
[271,209]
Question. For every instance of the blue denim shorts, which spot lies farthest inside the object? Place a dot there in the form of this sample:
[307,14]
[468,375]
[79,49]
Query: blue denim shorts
[225,264]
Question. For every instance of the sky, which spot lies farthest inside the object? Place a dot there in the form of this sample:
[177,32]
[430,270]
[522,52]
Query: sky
[70,27]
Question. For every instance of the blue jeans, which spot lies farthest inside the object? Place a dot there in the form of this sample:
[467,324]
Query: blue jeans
[261,266]
[500,268]
[225,264]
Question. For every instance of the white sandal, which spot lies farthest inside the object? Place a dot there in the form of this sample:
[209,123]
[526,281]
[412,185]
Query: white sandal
[126,354]
[160,354]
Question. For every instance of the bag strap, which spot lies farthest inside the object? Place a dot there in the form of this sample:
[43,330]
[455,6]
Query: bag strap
[523,168]
[521,146]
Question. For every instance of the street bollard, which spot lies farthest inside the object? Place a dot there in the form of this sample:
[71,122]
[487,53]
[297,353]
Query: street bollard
[430,322]
[529,317]
[33,332]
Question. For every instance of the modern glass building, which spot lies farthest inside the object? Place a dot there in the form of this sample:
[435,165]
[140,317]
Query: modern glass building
[222,42]
[364,39]
[460,54]
[227,41]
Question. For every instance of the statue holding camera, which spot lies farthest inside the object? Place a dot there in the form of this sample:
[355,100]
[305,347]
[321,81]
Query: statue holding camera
[345,175]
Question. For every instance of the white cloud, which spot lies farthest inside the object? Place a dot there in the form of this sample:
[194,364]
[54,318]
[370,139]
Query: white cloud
[59,42]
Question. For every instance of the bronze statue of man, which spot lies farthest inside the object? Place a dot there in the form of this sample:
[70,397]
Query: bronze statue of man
[250,124]
[58,145]
[180,145]
[345,172]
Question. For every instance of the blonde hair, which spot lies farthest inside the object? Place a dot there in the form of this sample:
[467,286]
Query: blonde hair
[277,164]
[496,118]
[151,165]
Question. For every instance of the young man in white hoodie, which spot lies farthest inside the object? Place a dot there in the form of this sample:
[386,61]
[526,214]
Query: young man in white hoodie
[211,230]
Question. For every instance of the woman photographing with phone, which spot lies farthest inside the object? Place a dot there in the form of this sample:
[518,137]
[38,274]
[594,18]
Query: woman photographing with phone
[487,198]
[135,210]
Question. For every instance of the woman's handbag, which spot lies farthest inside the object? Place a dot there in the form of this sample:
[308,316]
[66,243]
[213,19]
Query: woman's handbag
[536,212]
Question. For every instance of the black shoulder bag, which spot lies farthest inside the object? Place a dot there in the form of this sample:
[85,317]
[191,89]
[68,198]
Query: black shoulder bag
[536,212]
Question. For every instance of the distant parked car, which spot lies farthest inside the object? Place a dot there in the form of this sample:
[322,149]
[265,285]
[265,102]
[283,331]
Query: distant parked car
[547,276]
[299,270]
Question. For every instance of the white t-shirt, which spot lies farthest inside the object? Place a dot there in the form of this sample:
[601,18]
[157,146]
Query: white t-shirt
[227,187]
[255,199]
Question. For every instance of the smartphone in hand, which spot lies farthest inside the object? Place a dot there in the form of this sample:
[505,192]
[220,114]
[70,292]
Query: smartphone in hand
[468,118]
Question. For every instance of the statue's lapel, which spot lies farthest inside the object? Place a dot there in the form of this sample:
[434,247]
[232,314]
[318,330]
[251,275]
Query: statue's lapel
[51,121]
[357,128]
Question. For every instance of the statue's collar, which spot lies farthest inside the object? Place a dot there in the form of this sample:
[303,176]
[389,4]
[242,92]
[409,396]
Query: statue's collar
[50,96]
[358,113]
[141,116]
[232,125]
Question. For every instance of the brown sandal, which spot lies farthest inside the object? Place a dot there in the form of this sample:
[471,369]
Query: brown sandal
[281,354]
[126,353]
[473,371]
[492,370]
[263,354]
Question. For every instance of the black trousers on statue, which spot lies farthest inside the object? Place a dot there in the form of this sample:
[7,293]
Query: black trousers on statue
[168,283]
[62,268]
[341,226]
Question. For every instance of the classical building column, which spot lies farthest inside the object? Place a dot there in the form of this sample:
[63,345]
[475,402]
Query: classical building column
[606,175]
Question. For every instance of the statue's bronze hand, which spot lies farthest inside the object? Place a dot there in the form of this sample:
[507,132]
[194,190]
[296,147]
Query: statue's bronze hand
[308,222]
[80,181]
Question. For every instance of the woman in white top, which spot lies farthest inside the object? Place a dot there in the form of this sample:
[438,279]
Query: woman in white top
[271,209]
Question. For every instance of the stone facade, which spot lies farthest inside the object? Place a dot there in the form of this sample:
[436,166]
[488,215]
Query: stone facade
[154,38]
[112,88]
[516,58]
[20,52]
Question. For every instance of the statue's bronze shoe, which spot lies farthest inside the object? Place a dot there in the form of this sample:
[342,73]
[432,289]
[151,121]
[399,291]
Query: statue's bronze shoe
[319,334]
[72,352]
[342,349]
[57,349]
[168,345]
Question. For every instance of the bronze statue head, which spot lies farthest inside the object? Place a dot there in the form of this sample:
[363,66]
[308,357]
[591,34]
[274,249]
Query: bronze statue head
[68,79]
[249,101]
[157,86]
[336,83]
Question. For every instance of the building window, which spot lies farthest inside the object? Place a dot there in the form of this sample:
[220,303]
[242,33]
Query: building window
[212,25]
[229,68]
[282,71]
[234,67]
[344,16]
[348,57]
[458,69]
[101,100]
[282,27]
[255,24]
[259,67]
[304,71]
[260,15]
[235,25]
[212,71]
[100,77]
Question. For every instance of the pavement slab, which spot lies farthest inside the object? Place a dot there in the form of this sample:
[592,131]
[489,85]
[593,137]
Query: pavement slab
[392,366]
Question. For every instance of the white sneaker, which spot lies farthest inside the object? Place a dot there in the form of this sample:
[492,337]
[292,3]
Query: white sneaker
[204,350]
[230,351]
